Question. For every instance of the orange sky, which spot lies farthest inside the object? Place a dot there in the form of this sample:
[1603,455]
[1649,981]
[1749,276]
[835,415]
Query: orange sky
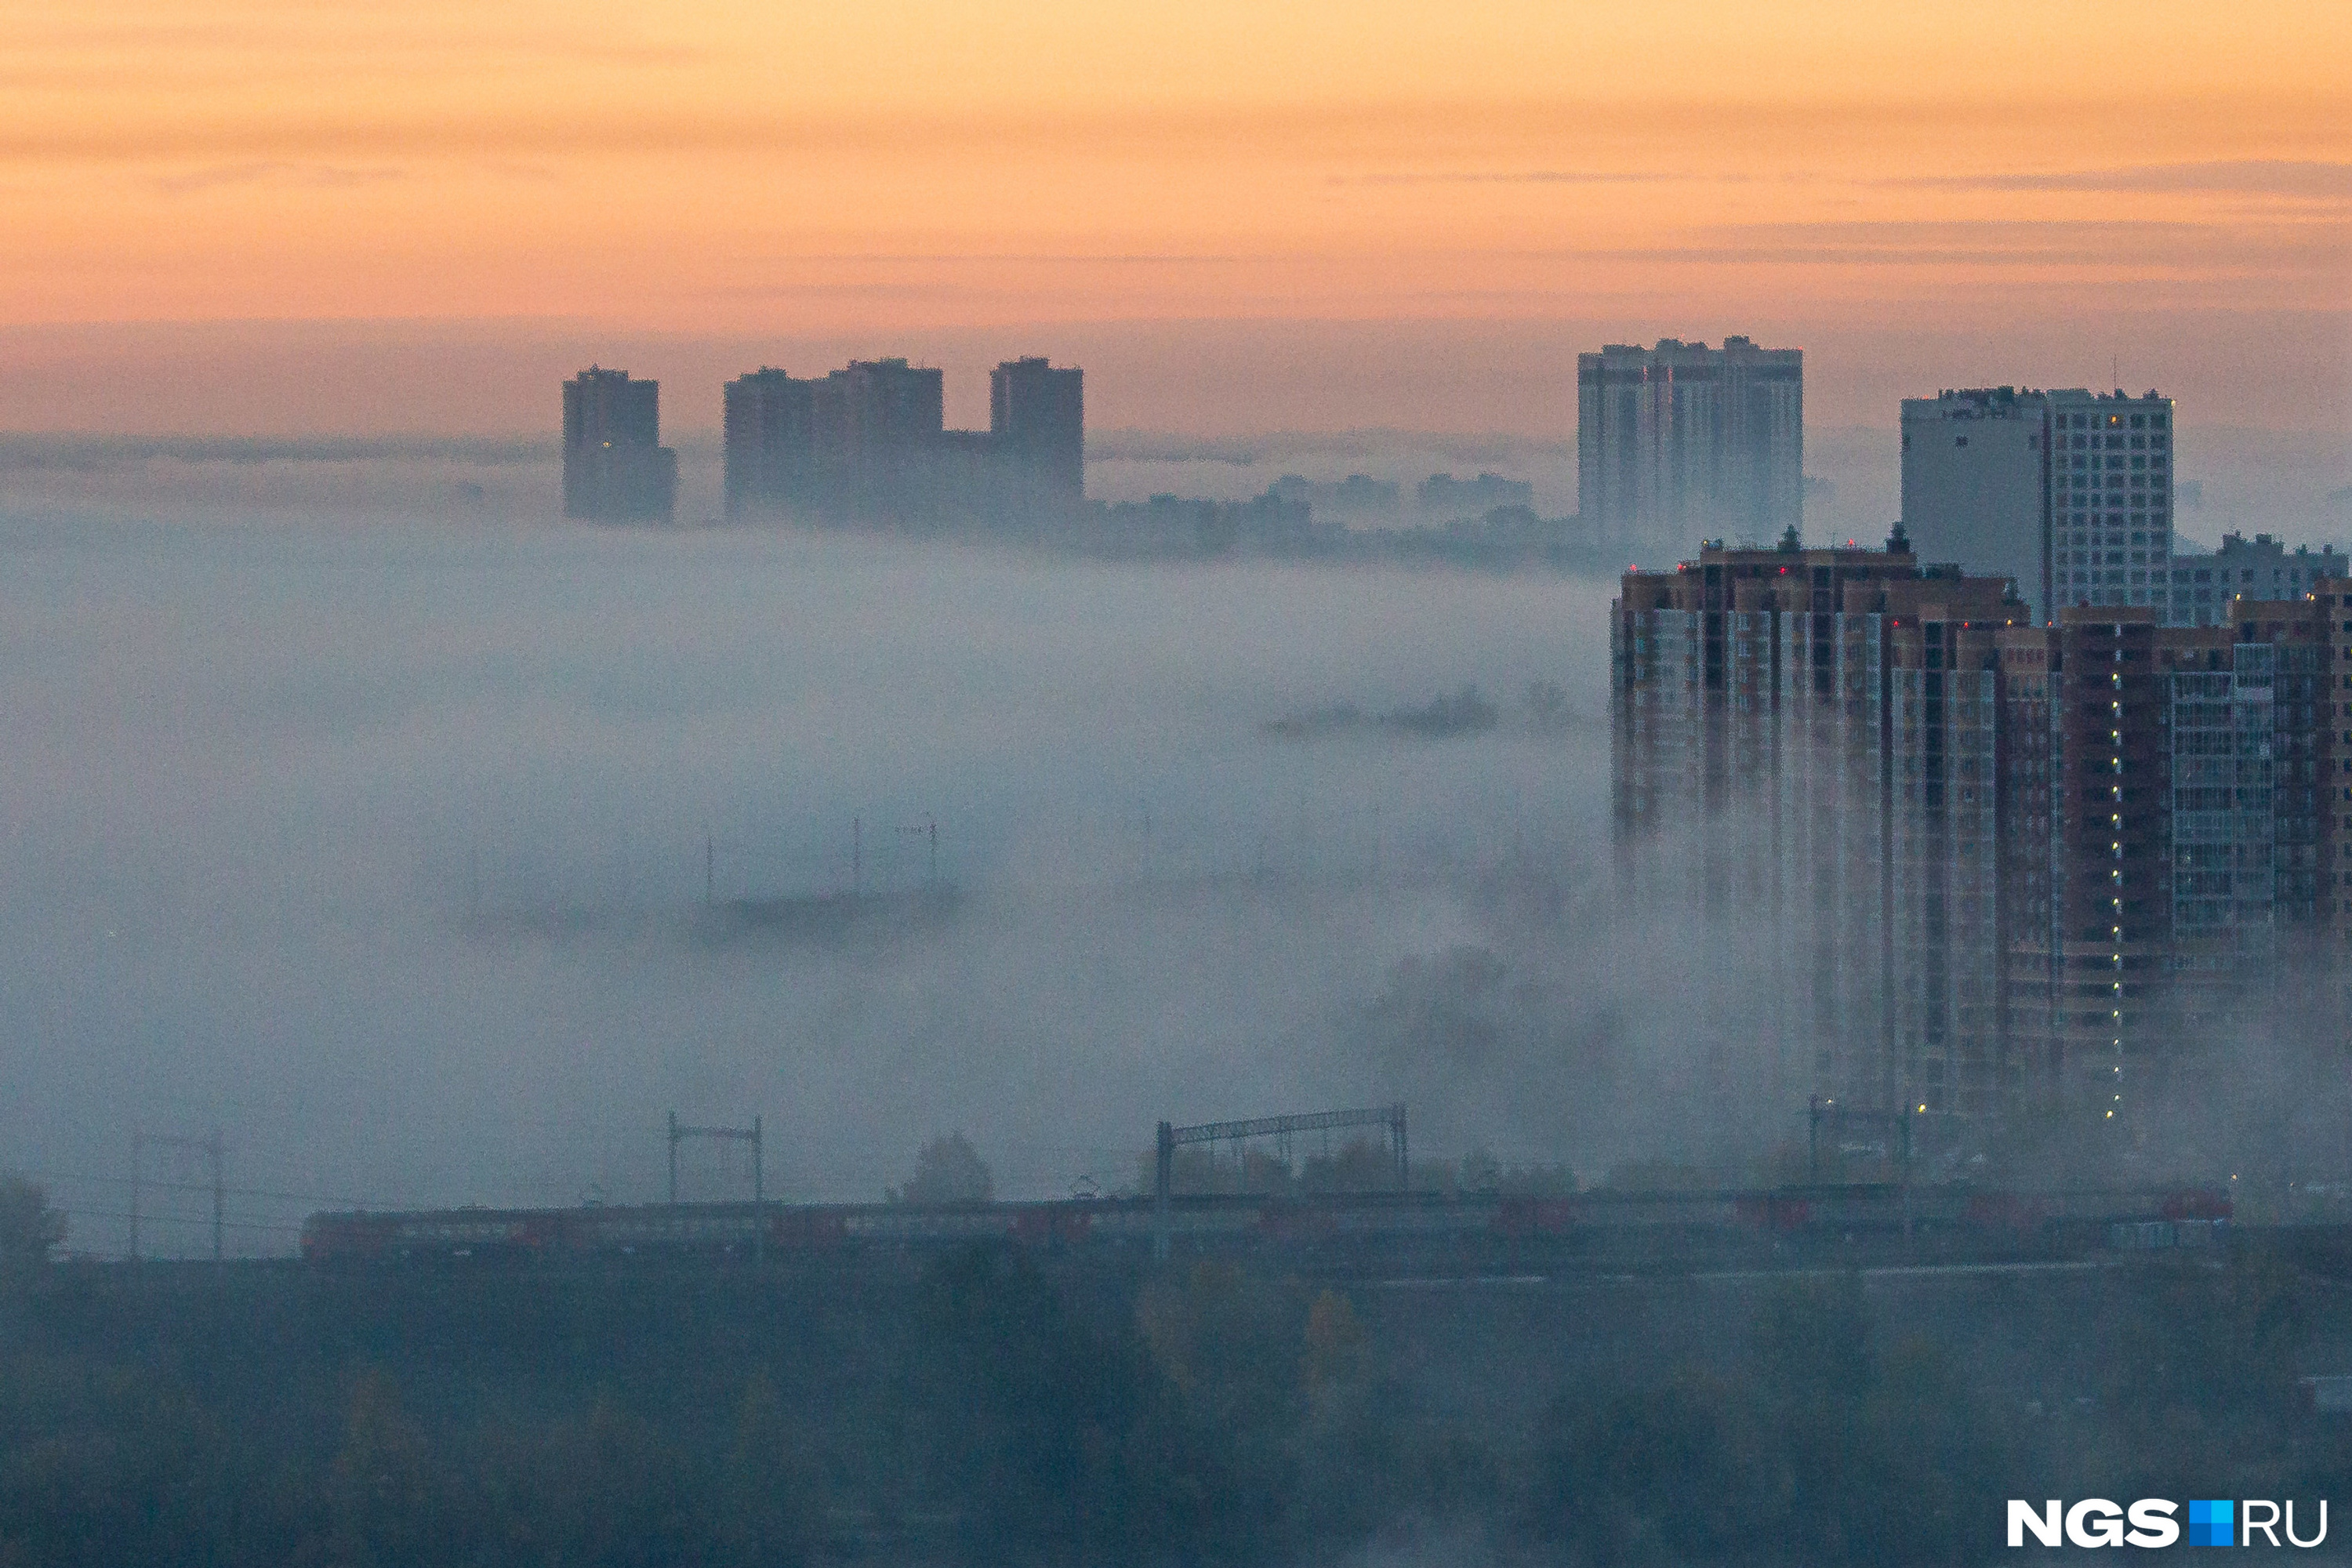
[879,167]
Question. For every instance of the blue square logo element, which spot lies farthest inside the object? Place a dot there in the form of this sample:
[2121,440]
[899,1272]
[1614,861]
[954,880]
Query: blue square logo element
[2209,1523]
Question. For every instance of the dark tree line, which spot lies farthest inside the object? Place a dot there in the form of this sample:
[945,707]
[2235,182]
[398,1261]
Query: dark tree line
[988,1408]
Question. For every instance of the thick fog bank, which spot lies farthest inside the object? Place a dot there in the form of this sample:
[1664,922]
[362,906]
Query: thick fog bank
[384,846]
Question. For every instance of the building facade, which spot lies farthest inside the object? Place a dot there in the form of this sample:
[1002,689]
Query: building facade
[769,442]
[2068,491]
[614,466]
[868,444]
[2110,498]
[1814,730]
[1680,441]
[1037,425]
[1976,483]
[2006,865]
[2204,582]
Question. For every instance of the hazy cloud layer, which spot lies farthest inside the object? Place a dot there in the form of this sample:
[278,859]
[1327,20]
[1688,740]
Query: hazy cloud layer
[2240,176]
[381,844]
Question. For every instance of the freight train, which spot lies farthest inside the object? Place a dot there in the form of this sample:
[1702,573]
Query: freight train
[1375,1229]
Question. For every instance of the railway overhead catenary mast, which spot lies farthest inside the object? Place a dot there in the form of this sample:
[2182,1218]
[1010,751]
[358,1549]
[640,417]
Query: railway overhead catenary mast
[1389,1116]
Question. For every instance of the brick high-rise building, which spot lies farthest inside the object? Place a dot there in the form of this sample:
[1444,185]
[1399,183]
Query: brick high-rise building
[614,466]
[1816,726]
[2001,864]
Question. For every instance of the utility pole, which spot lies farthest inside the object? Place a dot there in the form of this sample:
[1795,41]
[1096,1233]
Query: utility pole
[1163,1174]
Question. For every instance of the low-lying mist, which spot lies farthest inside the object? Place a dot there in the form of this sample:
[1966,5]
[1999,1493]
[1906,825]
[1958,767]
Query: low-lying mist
[383,845]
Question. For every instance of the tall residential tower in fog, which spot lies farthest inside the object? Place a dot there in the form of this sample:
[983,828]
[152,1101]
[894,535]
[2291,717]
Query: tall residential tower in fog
[1682,439]
[2070,492]
[1998,865]
[614,466]
[869,443]
[1037,422]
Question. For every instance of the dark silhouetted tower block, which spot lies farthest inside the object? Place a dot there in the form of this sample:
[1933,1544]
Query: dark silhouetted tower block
[771,451]
[615,466]
[1037,415]
[877,425]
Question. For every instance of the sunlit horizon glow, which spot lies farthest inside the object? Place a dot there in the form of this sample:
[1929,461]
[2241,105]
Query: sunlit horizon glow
[720,168]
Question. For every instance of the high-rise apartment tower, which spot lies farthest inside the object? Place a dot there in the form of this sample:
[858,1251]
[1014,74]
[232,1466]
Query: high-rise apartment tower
[1037,426]
[1981,864]
[614,466]
[1681,441]
[771,441]
[2068,491]
[2110,498]
[1976,483]
[868,444]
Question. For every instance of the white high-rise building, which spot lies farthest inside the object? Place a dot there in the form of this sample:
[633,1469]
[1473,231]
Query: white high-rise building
[2069,492]
[1975,485]
[1682,441]
[2110,498]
